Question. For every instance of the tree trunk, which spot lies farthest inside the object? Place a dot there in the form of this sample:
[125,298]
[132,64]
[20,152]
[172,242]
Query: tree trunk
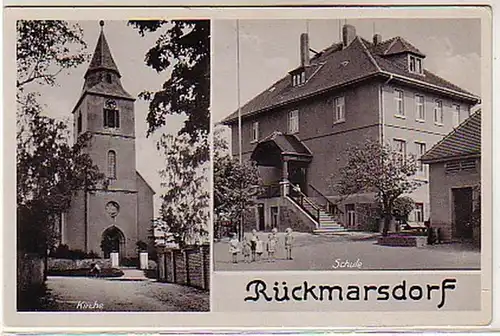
[387,223]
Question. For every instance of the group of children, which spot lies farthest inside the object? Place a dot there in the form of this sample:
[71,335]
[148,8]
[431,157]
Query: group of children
[253,248]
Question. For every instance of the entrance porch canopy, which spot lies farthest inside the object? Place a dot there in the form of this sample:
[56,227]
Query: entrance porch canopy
[278,148]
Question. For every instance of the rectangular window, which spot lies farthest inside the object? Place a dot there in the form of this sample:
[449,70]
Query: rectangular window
[419,212]
[351,215]
[339,109]
[421,148]
[456,115]
[400,148]
[463,165]
[293,121]
[419,66]
[469,164]
[412,64]
[438,112]
[255,131]
[111,118]
[415,64]
[399,97]
[299,78]
[419,108]
[274,217]
[79,122]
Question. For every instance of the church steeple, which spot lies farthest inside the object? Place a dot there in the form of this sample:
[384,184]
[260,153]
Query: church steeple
[103,76]
[102,59]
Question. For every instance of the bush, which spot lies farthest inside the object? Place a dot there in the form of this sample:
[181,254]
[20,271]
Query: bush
[83,272]
[152,265]
[64,252]
[36,298]
[68,264]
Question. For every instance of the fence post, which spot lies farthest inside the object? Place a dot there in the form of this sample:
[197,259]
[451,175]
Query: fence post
[203,275]
[186,263]
[174,267]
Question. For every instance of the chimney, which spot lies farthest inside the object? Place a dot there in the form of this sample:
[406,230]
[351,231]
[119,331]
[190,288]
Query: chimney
[377,38]
[348,34]
[304,49]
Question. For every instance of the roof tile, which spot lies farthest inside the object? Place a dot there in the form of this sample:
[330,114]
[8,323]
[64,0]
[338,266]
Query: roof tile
[336,66]
[465,140]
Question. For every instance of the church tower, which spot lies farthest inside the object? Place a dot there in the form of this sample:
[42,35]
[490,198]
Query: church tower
[116,217]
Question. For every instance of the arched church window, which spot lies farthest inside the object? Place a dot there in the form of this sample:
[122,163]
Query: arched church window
[111,115]
[112,164]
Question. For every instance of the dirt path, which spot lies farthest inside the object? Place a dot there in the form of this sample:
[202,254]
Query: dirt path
[129,293]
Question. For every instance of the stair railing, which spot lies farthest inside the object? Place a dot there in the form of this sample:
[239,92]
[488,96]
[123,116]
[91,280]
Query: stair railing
[304,202]
[330,207]
[269,190]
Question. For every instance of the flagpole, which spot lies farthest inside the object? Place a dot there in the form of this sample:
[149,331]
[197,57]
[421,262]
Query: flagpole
[238,88]
[240,224]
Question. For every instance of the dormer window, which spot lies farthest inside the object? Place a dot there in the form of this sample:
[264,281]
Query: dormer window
[298,78]
[108,78]
[415,64]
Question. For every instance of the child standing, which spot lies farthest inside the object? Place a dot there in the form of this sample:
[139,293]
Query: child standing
[253,243]
[288,243]
[271,247]
[234,247]
[259,248]
[246,250]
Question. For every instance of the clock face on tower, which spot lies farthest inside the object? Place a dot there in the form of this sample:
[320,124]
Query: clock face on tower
[110,104]
[112,208]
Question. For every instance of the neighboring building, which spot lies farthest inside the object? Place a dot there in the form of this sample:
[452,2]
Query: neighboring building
[299,129]
[121,213]
[455,179]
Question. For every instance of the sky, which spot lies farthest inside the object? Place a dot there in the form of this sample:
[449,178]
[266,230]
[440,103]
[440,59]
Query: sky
[270,48]
[128,49]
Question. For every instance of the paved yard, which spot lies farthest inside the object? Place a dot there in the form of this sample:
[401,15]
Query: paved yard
[316,252]
[132,292]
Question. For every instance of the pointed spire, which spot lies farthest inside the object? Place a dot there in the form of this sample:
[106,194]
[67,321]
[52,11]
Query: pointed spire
[102,58]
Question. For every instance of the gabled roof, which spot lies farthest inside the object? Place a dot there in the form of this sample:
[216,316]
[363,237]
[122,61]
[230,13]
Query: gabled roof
[463,141]
[271,149]
[287,143]
[102,58]
[140,177]
[399,45]
[336,67]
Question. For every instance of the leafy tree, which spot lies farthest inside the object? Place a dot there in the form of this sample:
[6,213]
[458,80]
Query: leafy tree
[235,184]
[49,170]
[403,206]
[373,167]
[185,204]
[184,48]
[45,49]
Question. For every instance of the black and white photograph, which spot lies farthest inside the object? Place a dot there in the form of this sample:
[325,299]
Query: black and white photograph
[347,144]
[181,168]
[112,165]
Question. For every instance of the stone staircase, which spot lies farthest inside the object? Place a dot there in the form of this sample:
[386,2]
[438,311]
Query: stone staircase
[327,224]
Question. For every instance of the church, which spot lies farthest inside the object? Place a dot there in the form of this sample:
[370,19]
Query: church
[113,218]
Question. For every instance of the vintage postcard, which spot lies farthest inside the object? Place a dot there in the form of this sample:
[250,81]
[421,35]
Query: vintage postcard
[237,167]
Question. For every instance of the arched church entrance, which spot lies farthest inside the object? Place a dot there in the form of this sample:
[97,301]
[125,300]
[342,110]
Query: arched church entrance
[113,240]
